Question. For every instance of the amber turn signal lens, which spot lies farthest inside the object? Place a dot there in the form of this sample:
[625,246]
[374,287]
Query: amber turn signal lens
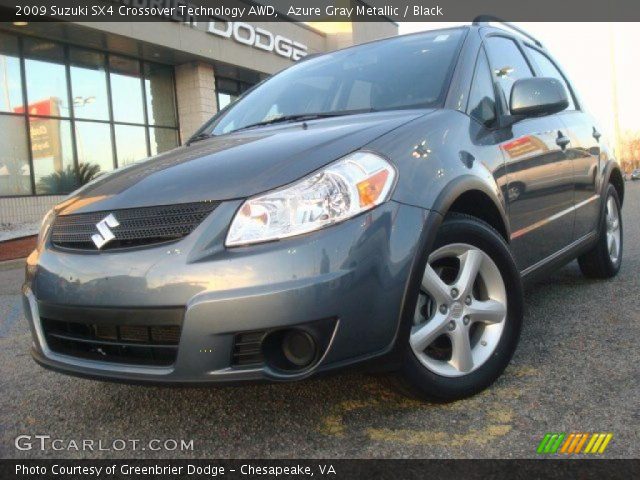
[370,189]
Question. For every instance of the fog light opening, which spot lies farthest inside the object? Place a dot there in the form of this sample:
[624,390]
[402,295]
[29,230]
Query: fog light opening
[299,348]
[290,350]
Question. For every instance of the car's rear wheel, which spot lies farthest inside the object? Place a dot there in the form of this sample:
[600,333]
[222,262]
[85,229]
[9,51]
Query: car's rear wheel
[468,314]
[604,260]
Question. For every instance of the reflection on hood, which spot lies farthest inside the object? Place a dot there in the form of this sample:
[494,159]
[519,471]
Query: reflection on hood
[236,165]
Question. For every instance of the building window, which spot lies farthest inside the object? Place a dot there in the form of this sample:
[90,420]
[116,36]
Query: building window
[15,170]
[131,143]
[229,90]
[126,90]
[89,84]
[52,153]
[87,112]
[10,76]
[93,143]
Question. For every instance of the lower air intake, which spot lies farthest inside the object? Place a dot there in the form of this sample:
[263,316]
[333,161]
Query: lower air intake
[130,344]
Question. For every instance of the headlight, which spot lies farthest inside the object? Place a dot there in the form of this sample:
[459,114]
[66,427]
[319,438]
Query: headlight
[347,187]
[45,226]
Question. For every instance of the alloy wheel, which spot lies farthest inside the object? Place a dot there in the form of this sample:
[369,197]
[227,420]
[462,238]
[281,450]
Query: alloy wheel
[461,311]
[613,229]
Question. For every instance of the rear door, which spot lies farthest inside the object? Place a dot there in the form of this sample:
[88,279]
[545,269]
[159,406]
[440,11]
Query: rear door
[539,186]
[584,149]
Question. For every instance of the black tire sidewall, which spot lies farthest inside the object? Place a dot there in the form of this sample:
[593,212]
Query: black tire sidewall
[428,384]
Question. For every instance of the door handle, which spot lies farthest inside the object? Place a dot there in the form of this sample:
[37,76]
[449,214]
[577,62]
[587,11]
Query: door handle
[596,134]
[562,141]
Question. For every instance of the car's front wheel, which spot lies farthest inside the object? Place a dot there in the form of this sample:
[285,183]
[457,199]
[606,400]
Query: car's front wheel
[468,314]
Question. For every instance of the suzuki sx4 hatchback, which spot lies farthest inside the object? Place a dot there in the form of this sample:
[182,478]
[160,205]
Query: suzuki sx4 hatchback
[381,204]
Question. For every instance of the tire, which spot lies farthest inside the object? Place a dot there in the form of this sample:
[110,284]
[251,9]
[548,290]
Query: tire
[600,261]
[428,373]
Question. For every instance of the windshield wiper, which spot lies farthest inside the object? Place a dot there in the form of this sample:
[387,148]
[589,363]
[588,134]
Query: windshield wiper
[299,117]
[304,116]
[199,136]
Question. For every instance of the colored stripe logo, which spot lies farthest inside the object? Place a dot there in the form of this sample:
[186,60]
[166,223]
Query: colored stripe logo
[573,443]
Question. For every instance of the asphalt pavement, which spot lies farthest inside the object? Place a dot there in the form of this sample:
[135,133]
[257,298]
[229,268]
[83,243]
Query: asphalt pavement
[577,369]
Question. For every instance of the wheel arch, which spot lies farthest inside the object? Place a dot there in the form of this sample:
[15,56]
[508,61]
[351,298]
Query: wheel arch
[454,194]
[613,175]
[471,196]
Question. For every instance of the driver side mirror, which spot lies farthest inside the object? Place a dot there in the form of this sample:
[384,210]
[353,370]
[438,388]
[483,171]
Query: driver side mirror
[536,96]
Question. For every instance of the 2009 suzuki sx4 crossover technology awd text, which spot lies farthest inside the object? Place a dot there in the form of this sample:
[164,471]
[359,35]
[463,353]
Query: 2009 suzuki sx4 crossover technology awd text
[382,204]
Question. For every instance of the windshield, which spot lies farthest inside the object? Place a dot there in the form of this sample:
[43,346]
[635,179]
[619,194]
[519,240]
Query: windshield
[403,72]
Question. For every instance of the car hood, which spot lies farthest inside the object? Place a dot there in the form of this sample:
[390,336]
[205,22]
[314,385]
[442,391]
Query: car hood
[235,165]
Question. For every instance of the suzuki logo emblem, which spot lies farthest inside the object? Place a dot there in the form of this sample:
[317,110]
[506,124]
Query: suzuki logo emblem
[105,235]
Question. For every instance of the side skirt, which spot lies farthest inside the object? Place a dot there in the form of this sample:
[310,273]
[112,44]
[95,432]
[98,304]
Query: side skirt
[559,258]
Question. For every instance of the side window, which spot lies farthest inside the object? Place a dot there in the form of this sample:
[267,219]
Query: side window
[548,69]
[507,62]
[482,100]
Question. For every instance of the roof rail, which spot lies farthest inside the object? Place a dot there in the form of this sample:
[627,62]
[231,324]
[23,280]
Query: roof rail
[486,19]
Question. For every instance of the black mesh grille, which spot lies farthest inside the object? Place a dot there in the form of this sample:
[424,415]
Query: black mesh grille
[247,348]
[131,344]
[138,226]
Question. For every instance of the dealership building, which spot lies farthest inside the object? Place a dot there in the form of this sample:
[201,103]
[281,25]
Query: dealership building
[79,99]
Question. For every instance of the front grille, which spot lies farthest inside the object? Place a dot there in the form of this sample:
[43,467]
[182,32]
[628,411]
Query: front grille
[138,226]
[247,348]
[130,344]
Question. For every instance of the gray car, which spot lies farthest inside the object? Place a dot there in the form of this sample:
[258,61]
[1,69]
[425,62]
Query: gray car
[379,205]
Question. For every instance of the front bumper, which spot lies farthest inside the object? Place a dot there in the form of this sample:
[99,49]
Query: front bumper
[353,274]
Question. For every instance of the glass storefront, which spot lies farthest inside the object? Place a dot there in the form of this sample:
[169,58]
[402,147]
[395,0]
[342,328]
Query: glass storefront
[68,114]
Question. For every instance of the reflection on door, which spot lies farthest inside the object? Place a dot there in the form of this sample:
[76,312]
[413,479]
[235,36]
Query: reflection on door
[539,189]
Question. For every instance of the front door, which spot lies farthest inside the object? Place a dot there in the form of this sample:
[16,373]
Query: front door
[539,189]
[539,177]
